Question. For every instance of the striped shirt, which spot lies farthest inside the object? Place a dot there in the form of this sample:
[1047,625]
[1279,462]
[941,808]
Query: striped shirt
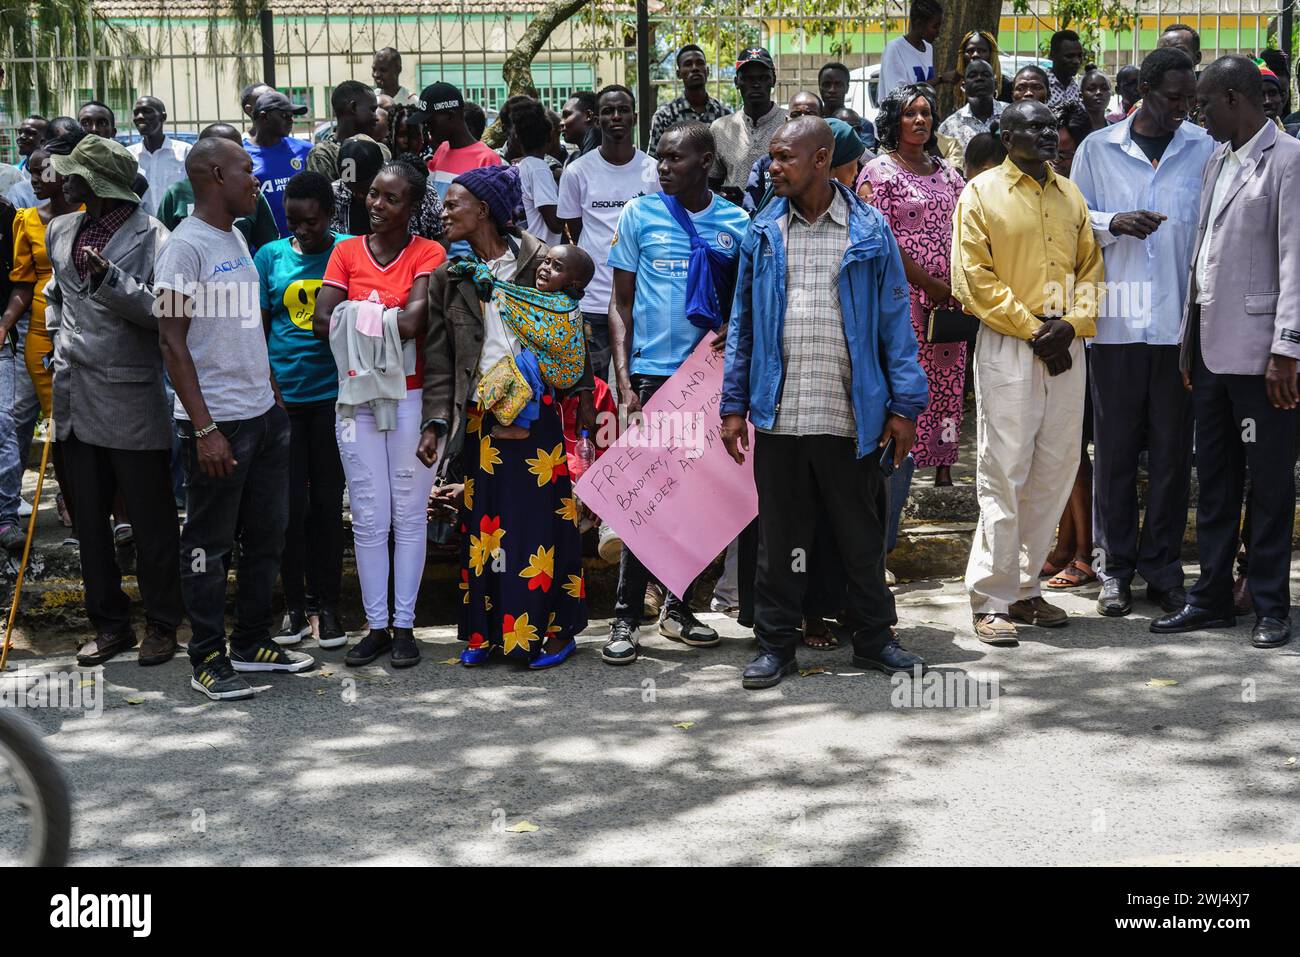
[816,398]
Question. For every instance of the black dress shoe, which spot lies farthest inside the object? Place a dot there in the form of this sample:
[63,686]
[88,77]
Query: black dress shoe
[766,670]
[1170,600]
[1190,618]
[891,659]
[1271,633]
[1116,598]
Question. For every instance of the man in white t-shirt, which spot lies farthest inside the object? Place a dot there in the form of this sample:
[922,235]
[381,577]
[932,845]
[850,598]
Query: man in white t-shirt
[530,133]
[236,433]
[593,191]
[910,58]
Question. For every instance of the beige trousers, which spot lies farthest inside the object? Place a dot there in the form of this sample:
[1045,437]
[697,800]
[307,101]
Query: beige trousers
[1030,427]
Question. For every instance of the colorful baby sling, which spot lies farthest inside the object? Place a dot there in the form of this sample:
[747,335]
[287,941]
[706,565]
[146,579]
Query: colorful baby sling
[545,322]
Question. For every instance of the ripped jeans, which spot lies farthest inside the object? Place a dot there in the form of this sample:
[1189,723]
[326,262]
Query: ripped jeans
[388,489]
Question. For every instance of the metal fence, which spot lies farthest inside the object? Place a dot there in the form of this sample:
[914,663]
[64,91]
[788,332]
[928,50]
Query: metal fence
[197,63]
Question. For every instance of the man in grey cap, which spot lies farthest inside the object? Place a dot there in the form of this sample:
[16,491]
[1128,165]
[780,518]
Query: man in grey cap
[277,154]
[110,411]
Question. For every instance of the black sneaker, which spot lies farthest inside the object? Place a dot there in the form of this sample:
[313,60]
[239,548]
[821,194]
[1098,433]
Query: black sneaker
[376,643]
[406,653]
[217,679]
[679,624]
[268,656]
[329,632]
[620,647]
[296,627]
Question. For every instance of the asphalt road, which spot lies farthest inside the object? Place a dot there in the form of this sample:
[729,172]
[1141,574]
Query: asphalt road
[1078,760]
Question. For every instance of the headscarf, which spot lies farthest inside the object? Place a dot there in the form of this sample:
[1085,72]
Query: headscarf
[499,187]
[848,145]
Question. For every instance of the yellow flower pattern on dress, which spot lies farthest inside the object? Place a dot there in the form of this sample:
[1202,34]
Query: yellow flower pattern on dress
[576,586]
[483,546]
[548,466]
[551,627]
[488,456]
[474,423]
[517,633]
[469,493]
[568,508]
[540,570]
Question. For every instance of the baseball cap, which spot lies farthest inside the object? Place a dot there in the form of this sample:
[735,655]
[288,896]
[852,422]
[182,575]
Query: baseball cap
[437,98]
[755,55]
[106,165]
[275,100]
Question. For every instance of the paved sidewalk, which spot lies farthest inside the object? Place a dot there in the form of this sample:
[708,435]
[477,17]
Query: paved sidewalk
[669,761]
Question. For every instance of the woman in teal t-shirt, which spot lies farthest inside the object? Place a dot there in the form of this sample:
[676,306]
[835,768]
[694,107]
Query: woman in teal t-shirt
[291,270]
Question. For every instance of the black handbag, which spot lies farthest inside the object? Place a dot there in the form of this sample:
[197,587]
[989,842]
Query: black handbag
[950,325]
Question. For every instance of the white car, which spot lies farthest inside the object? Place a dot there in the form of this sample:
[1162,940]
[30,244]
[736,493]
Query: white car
[864,83]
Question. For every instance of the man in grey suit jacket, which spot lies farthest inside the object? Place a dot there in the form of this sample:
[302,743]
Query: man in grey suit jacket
[1240,340]
[110,409]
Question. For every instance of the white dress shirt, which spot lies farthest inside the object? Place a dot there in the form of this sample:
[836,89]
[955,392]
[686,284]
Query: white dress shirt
[1233,161]
[164,166]
[1146,279]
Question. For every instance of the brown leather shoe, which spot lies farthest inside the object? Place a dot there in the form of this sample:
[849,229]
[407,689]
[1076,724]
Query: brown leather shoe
[1036,611]
[996,629]
[103,647]
[158,647]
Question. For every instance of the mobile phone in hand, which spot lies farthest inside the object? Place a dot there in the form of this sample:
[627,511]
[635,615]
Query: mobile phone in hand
[887,458]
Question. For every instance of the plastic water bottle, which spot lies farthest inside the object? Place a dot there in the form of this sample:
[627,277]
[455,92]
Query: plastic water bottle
[584,451]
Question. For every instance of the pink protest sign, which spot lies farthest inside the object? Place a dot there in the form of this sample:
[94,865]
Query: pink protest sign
[668,486]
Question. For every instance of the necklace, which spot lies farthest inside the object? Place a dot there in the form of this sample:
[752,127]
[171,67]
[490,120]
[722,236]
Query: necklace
[900,158]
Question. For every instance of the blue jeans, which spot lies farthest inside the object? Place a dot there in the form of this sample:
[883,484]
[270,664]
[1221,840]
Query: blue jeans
[252,503]
[24,410]
[899,485]
[11,466]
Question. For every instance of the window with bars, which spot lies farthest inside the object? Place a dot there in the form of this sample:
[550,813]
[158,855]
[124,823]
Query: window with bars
[483,84]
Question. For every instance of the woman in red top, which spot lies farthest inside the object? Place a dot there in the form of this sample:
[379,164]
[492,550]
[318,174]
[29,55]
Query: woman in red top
[388,487]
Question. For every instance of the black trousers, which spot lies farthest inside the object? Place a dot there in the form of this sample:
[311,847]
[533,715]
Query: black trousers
[633,577]
[311,569]
[1138,402]
[251,505]
[96,475]
[800,478]
[1237,426]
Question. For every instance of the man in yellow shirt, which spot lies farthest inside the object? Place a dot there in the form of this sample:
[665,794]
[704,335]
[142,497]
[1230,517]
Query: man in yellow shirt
[1026,265]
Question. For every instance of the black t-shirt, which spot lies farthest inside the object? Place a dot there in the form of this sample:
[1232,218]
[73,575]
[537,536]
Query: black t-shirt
[1153,146]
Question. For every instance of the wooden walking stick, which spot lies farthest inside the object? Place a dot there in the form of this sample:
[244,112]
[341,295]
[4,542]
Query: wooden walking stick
[27,545]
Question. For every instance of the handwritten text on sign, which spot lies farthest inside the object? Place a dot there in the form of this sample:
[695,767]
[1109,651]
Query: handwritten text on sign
[668,486]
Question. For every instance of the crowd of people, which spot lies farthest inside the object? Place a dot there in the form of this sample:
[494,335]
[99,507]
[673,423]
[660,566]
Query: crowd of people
[249,327]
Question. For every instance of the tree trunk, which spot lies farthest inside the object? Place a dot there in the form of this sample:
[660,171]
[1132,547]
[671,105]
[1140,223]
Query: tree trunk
[959,18]
[518,67]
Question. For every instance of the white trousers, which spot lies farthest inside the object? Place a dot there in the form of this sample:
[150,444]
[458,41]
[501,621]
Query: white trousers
[388,489]
[1030,427]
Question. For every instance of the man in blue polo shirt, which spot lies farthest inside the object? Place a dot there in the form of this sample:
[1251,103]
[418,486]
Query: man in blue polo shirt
[651,336]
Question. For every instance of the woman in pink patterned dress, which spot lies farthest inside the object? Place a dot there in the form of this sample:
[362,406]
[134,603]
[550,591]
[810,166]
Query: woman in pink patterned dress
[917,193]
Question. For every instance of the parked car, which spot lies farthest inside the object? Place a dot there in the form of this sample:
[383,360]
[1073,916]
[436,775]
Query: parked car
[864,83]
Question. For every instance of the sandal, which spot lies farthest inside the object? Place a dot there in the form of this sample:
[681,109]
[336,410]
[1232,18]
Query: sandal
[822,640]
[1077,573]
[1051,569]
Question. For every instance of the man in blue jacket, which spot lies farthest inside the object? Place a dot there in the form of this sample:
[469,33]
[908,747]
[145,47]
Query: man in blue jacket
[821,358]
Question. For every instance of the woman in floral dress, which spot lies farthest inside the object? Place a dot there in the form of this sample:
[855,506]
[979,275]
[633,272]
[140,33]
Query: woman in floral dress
[917,193]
